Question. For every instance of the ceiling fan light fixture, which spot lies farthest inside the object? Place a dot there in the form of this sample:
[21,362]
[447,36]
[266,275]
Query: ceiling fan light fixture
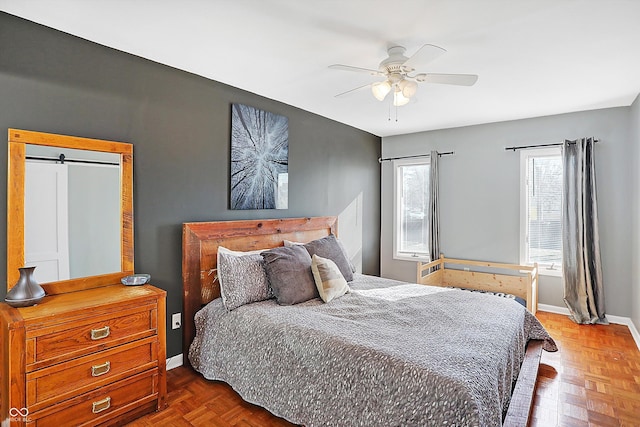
[401,76]
[408,88]
[381,89]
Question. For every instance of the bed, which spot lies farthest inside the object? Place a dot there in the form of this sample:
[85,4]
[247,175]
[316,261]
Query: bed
[386,353]
[519,281]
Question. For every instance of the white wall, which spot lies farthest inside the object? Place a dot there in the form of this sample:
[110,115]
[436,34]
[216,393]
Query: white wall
[635,161]
[479,191]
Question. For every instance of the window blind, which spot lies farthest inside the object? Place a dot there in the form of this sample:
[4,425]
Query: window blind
[544,210]
[412,219]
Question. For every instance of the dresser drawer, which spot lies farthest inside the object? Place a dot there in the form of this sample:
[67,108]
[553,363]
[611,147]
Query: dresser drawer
[63,381]
[93,333]
[102,405]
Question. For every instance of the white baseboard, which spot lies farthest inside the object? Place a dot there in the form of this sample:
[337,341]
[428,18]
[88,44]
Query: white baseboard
[174,361]
[619,320]
[553,309]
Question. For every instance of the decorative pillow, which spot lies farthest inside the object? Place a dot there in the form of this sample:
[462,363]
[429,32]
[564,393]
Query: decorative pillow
[330,282]
[242,278]
[353,267]
[289,273]
[329,247]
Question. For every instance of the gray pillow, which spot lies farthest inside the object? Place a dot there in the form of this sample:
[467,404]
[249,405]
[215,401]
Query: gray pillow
[344,250]
[243,279]
[329,247]
[289,274]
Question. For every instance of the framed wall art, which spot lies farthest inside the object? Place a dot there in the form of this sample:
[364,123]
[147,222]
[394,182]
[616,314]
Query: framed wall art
[259,159]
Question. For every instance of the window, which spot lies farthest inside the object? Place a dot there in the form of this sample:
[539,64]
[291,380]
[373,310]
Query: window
[411,199]
[541,209]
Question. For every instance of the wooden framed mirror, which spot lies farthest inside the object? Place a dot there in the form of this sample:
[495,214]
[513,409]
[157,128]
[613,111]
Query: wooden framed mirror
[21,210]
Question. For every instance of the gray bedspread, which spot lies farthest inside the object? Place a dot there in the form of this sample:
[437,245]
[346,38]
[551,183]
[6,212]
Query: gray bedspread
[387,354]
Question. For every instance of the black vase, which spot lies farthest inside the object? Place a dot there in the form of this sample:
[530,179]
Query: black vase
[26,291]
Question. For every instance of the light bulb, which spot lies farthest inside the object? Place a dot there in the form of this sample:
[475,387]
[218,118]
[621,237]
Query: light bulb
[408,87]
[399,99]
[380,89]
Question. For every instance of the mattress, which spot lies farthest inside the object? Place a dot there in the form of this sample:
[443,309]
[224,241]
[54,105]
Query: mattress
[388,353]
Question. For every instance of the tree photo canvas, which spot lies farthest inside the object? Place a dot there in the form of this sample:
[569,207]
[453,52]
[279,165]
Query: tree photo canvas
[259,159]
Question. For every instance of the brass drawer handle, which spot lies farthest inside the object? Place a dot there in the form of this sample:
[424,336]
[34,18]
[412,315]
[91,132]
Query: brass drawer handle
[101,405]
[98,334]
[97,370]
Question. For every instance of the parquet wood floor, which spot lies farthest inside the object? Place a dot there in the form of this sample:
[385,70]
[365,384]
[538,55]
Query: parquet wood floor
[593,381]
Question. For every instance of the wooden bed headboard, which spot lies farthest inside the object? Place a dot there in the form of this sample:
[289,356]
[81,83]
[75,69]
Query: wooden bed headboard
[200,241]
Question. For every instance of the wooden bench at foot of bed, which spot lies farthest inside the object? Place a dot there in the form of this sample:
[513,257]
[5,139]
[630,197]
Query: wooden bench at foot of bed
[515,279]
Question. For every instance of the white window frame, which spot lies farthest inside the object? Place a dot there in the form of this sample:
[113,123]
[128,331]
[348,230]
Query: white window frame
[397,192]
[543,269]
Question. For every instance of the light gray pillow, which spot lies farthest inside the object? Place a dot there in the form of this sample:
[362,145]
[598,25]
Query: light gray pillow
[329,247]
[242,279]
[289,273]
[329,281]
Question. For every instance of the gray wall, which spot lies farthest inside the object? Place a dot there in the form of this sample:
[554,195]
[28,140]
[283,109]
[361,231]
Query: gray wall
[179,124]
[635,211]
[479,191]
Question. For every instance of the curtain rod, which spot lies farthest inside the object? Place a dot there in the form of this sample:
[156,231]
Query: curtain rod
[448,153]
[555,144]
[62,159]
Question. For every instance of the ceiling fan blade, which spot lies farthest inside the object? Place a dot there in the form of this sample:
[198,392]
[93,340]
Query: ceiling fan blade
[356,69]
[448,79]
[352,90]
[424,55]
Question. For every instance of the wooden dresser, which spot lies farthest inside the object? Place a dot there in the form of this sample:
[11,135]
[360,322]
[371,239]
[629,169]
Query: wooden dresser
[90,357]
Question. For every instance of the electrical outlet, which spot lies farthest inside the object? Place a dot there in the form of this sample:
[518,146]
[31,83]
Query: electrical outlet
[176,320]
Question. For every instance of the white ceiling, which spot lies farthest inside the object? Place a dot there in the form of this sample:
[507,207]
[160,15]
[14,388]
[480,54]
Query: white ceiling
[533,57]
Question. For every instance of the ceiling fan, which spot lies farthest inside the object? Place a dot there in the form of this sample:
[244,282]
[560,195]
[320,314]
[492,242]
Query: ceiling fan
[400,76]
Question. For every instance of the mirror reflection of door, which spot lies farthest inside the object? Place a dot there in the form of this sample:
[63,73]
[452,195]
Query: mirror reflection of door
[72,213]
[47,221]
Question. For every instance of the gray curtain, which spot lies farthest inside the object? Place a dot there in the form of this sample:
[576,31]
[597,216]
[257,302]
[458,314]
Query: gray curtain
[434,211]
[581,266]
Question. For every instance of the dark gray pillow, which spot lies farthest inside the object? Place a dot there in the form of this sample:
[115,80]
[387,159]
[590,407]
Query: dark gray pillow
[289,273]
[329,247]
